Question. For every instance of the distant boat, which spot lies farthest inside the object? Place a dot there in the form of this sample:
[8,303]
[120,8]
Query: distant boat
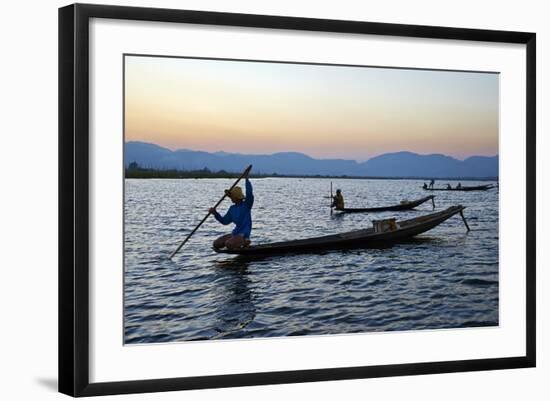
[463,188]
[353,239]
[405,205]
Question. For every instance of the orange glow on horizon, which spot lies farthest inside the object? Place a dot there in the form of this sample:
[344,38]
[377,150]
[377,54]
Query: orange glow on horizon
[322,111]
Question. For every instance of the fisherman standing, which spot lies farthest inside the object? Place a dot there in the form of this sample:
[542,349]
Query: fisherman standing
[239,214]
[432,182]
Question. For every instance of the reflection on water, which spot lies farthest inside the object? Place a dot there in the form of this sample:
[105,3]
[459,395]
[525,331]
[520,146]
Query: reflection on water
[444,278]
[236,309]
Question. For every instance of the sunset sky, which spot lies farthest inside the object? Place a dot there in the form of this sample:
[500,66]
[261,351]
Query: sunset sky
[323,111]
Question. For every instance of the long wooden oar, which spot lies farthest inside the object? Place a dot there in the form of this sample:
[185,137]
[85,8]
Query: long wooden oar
[464,220]
[331,198]
[244,174]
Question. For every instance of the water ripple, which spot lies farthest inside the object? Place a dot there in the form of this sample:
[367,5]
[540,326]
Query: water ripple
[445,278]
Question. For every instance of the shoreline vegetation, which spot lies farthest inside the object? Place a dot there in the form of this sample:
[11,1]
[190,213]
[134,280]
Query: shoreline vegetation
[134,170]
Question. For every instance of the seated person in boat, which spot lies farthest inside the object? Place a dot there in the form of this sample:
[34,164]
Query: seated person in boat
[449,186]
[338,201]
[425,186]
[239,214]
[459,186]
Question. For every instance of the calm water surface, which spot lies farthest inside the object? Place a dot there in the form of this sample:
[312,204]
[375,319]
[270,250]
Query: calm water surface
[445,278]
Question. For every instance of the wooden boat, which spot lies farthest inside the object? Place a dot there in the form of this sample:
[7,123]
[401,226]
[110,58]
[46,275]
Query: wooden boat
[471,188]
[353,239]
[395,208]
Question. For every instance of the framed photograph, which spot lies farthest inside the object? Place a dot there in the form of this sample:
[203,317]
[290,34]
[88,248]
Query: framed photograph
[251,199]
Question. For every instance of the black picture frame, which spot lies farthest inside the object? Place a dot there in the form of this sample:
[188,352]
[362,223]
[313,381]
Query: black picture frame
[74,198]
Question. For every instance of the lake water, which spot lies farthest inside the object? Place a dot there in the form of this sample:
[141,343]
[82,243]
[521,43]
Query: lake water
[444,278]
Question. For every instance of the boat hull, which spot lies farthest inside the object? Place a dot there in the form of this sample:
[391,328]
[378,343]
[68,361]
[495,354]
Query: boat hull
[463,189]
[395,208]
[354,239]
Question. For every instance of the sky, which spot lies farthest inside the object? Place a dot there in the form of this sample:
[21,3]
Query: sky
[324,111]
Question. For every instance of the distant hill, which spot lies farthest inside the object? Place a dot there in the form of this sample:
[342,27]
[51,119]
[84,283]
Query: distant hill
[408,164]
[400,164]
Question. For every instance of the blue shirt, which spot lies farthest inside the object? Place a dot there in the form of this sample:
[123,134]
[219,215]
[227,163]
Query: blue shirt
[240,214]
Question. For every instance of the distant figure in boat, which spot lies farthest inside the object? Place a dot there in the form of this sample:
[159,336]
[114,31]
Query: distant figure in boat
[459,186]
[425,186]
[432,182]
[338,201]
[239,214]
[449,186]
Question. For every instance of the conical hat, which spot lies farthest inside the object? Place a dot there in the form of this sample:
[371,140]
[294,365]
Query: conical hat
[236,193]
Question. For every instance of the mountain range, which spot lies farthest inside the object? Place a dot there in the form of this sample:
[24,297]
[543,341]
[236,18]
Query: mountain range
[398,164]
